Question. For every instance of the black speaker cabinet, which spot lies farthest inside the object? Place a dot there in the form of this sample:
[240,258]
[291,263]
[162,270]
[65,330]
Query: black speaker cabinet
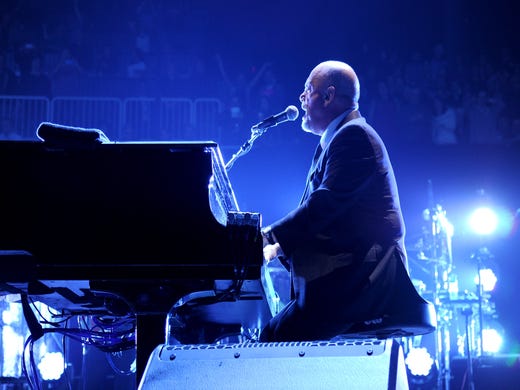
[345,364]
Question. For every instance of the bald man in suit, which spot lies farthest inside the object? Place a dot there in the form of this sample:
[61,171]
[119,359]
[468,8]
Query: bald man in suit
[344,242]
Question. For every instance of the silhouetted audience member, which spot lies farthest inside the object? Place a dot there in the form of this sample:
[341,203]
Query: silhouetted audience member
[482,121]
[67,75]
[106,62]
[444,122]
[31,79]
[384,112]
[415,117]
[7,77]
[235,90]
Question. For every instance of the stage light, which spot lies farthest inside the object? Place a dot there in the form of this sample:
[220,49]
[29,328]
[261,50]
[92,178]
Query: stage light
[419,362]
[492,340]
[421,369]
[51,366]
[483,221]
[14,332]
[492,220]
[487,280]
[10,352]
[11,337]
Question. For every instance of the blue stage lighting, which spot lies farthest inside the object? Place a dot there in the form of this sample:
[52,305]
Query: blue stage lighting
[421,368]
[51,366]
[487,279]
[483,221]
[419,362]
[492,339]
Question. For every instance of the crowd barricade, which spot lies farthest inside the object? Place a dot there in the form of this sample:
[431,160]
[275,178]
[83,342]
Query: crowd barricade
[89,112]
[208,114]
[21,115]
[176,120]
[139,119]
[130,119]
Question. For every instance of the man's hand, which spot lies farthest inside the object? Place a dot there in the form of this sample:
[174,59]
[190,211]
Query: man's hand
[272,251]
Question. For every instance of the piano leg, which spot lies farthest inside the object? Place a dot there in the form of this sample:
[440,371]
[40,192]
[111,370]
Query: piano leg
[150,333]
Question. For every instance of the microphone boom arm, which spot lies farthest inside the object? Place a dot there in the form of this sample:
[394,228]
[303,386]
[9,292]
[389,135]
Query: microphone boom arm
[246,146]
[289,114]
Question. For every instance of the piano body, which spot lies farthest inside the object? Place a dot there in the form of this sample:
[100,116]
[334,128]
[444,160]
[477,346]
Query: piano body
[135,230]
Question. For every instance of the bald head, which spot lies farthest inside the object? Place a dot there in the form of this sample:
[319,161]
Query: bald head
[342,77]
[331,89]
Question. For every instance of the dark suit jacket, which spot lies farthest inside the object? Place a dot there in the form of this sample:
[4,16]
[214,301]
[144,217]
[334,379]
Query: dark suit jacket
[345,240]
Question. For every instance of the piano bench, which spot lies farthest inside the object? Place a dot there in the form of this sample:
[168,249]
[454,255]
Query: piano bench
[417,320]
[407,314]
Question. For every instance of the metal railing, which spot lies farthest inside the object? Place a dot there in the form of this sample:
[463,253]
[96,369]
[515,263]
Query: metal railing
[21,115]
[130,119]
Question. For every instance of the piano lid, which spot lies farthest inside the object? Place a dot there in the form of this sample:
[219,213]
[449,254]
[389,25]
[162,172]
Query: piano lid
[142,205]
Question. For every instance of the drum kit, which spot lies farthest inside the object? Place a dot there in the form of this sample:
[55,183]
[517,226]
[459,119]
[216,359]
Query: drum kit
[460,314]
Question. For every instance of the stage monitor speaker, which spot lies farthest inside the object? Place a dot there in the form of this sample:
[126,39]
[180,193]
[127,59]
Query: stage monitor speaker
[346,364]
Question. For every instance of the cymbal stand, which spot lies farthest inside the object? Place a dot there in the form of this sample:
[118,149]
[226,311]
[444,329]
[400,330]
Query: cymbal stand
[482,255]
[471,380]
[444,316]
[441,233]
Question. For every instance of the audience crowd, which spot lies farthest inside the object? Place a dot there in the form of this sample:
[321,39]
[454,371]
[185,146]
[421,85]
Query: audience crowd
[144,48]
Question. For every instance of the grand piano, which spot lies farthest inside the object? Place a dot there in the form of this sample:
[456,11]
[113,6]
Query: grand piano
[146,231]
[150,235]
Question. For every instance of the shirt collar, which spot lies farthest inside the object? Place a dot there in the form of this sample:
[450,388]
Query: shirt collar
[331,128]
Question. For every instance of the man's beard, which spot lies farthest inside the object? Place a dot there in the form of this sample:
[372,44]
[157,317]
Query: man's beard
[306,126]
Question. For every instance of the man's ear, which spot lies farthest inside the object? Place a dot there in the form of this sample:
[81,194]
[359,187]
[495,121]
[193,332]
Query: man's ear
[329,94]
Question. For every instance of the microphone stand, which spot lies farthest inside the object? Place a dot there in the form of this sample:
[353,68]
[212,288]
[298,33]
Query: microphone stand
[246,146]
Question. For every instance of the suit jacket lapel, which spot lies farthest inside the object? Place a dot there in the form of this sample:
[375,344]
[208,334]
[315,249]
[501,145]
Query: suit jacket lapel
[317,155]
[319,152]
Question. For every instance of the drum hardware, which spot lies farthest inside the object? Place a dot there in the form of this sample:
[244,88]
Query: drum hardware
[434,258]
[460,314]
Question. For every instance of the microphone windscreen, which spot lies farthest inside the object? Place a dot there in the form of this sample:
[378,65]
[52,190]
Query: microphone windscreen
[292,113]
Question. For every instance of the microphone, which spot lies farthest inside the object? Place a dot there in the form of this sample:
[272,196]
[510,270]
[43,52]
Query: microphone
[290,114]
